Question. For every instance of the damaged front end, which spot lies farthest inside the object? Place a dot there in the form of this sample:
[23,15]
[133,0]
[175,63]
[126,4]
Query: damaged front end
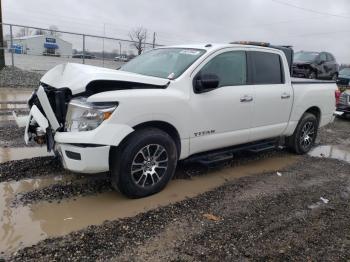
[60,110]
[48,109]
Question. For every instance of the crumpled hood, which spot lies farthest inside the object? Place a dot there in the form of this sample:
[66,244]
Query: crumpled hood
[77,76]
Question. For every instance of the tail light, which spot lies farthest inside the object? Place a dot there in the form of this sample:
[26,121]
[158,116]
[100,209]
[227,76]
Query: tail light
[337,96]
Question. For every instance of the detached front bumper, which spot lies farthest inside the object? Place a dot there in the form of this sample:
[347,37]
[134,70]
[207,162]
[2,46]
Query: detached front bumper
[84,158]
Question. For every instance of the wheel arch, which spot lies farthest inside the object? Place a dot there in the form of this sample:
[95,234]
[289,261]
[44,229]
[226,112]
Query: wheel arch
[316,111]
[162,125]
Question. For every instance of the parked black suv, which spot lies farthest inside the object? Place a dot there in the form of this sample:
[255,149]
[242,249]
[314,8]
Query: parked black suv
[315,65]
[343,80]
[343,104]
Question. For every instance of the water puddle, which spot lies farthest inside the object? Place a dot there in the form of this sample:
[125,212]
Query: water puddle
[15,94]
[11,236]
[9,154]
[332,151]
[26,225]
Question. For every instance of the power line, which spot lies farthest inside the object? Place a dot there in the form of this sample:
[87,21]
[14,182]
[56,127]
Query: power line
[309,9]
[325,33]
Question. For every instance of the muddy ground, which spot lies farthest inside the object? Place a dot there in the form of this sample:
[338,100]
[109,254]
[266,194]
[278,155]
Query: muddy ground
[301,213]
[263,217]
[11,136]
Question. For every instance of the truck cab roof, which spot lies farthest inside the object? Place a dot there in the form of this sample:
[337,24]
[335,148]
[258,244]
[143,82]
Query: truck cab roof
[287,50]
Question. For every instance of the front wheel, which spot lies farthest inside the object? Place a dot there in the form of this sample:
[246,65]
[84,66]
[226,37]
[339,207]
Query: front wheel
[144,164]
[304,135]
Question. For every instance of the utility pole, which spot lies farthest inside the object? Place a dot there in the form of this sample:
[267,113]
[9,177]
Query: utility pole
[154,40]
[120,49]
[103,44]
[2,54]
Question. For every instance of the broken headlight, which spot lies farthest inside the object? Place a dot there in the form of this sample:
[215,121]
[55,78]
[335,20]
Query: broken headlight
[85,116]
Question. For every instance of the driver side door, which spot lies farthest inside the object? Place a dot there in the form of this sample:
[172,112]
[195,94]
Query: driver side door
[222,117]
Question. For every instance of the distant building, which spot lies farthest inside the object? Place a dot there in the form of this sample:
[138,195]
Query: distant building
[41,45]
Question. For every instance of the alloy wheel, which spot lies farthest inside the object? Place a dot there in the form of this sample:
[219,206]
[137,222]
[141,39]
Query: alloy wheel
[149,165]
[307,135]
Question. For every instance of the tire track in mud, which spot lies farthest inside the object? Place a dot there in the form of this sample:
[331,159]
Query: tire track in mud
[100,183]
[262,217]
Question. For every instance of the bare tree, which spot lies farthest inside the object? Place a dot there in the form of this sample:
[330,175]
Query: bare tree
[53,31]
[139,37]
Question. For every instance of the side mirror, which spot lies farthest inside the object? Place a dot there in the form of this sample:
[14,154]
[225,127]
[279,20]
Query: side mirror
[205,83]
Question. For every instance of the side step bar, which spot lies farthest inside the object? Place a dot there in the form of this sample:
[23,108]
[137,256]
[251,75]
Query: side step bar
[222,155]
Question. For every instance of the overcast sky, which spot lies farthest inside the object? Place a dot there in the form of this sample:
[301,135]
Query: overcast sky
[314,25]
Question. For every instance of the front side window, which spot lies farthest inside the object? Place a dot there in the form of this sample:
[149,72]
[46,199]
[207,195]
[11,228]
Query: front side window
[164,62]
[266,67]
[230,67]
[305,56]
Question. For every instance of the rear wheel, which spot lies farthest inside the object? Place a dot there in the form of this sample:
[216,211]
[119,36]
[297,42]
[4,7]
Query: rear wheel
[144,164]
[304,135]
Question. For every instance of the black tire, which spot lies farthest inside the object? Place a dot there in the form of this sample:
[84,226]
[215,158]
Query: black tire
[136,169]
[301,141]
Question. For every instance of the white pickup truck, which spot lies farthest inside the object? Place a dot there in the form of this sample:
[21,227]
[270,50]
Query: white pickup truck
[175,103]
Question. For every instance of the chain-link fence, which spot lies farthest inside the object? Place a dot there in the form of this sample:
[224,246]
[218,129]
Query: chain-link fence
[39,49]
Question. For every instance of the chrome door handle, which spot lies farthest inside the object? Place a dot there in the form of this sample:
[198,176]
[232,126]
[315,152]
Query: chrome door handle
[246,98]
[285,96]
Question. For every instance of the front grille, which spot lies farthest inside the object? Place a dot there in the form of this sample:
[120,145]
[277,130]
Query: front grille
[59,99]
[344,99]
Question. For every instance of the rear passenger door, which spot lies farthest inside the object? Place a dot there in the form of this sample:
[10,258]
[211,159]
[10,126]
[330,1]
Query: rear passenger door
[273,94]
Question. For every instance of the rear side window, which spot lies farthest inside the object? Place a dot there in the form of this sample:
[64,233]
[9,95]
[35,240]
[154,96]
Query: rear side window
[330,57]
[323,57]
[230,67]
[266,68]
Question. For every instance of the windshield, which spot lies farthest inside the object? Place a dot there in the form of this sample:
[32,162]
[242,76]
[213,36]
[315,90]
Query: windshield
[345,71]
[305,56]
[164,62]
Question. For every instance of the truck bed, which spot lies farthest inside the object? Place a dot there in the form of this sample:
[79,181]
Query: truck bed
[297,80]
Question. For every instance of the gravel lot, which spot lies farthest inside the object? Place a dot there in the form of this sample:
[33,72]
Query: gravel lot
[301,215]
[17,78]
[29,69]
[11,135]
[262,217]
